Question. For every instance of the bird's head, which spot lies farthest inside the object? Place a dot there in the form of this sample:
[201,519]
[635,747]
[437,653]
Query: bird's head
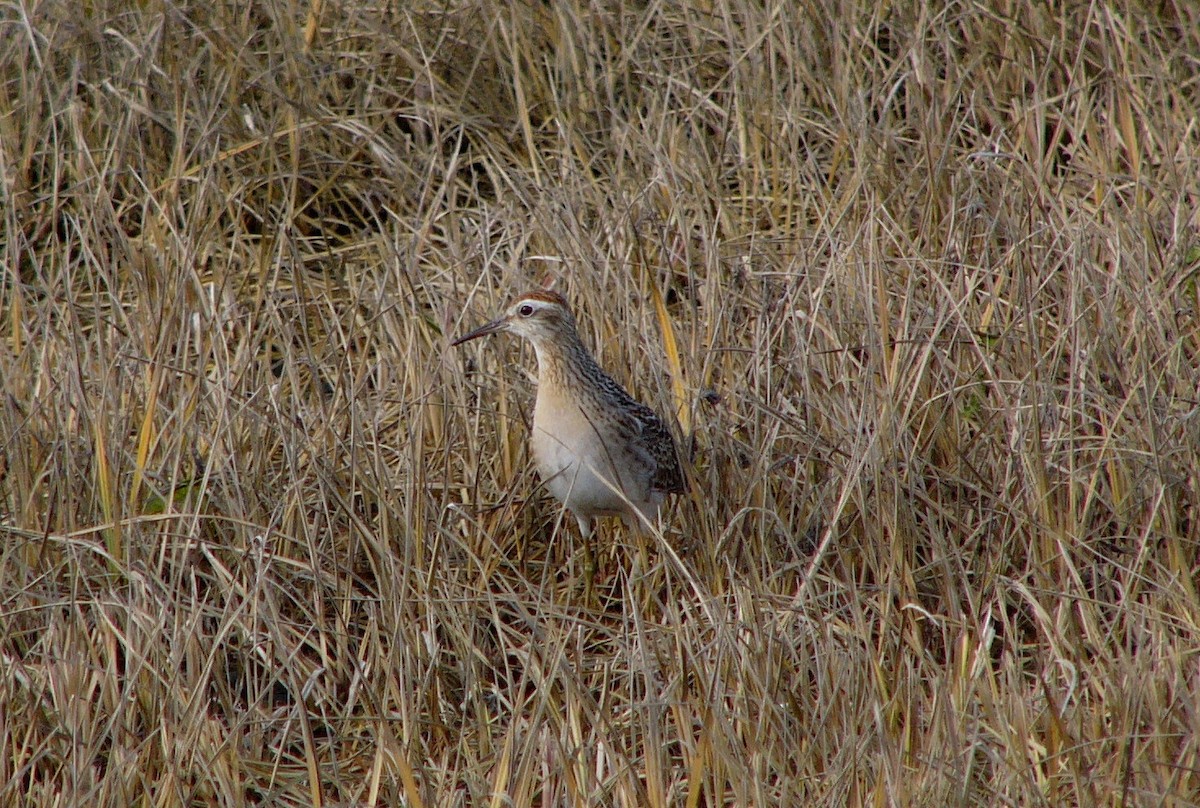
[540,317]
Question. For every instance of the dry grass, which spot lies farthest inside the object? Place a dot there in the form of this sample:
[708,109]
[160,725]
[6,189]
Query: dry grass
[931,277]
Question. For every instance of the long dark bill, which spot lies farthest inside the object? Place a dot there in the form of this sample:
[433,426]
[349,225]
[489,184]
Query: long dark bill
[482,331]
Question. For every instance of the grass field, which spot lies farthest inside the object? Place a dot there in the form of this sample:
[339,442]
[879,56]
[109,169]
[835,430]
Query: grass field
[918,282]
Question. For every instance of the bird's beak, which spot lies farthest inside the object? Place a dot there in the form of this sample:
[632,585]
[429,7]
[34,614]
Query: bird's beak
[483,331]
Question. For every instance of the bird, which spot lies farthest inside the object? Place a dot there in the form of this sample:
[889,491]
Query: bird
[598,450]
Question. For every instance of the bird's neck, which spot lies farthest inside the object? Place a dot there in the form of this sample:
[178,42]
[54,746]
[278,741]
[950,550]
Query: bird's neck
[563,360]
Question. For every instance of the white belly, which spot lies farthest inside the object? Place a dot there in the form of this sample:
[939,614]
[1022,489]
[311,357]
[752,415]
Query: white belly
[591,476]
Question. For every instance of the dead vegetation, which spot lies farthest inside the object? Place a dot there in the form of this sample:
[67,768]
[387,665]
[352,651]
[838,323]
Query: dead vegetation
[920,285]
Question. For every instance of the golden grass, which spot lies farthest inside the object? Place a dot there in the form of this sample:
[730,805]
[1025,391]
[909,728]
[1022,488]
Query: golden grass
[921,283]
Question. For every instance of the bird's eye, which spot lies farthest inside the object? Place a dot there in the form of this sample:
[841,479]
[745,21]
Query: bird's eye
[525,311]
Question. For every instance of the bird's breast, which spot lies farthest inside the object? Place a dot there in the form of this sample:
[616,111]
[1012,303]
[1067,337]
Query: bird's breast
[561,434]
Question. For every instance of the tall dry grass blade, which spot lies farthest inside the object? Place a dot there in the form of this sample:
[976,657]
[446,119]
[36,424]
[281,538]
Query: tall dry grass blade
[313,23]
[146,433]
[674,363]
[112,531]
